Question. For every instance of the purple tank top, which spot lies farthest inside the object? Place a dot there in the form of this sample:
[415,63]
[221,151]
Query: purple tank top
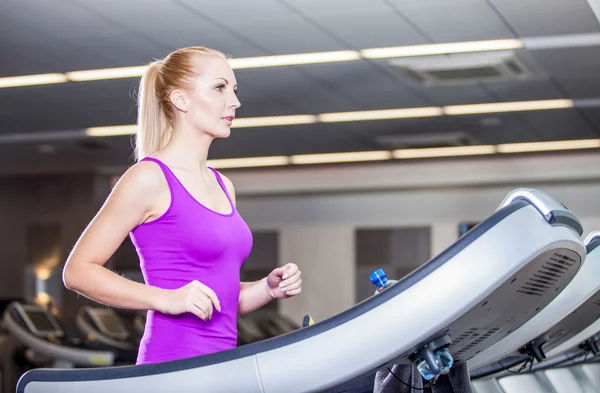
[191,242]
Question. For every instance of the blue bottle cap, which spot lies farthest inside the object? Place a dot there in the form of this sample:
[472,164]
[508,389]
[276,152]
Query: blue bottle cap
[378,278]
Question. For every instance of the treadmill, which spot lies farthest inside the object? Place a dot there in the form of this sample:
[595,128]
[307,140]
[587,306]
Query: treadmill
[459,303]
[103,325]
[40,331]
[576,308]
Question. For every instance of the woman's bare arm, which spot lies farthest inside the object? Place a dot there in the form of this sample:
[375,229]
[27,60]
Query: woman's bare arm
[129,204]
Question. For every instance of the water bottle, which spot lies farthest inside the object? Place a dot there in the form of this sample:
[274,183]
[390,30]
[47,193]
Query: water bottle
[380,280]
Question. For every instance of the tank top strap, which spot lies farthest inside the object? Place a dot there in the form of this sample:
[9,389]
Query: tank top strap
[222,184]
[169,175]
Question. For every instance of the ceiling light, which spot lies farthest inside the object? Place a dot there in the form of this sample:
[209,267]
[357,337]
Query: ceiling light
[516,106]
[273,121]
[107,73]
[111,131]
[549,146]
[444,151]
[249,162]
[294,59]
[32,80]
[440,49]
[402,113]
[341,157]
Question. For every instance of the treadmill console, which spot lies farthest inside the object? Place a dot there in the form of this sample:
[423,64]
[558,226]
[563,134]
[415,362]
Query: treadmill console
[107,322]
[39,321]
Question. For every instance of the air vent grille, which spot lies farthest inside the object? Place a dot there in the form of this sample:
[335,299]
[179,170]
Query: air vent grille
[478,340]
[548,276]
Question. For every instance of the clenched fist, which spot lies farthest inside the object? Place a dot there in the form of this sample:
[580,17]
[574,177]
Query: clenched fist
[194,297]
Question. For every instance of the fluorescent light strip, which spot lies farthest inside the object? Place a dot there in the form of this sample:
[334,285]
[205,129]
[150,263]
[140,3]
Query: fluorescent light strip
[104,74]
[548,146]
[294,59]
[440,49]
[32,80]
[516,106]
[402,113]
[111,131]
[444,152]
[340,157]
[249,162]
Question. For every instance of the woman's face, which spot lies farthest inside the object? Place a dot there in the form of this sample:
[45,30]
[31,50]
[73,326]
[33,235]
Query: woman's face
[212,103]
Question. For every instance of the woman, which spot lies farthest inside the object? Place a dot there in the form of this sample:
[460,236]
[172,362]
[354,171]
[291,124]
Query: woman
[181,217]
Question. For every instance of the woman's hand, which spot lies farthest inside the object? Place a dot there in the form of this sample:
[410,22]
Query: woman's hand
[284,282]
[194,297]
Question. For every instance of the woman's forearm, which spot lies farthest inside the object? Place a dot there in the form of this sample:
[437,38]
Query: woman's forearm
[104,286]
[253,295]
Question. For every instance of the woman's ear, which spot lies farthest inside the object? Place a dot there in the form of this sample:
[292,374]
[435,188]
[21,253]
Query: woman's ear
[179,100]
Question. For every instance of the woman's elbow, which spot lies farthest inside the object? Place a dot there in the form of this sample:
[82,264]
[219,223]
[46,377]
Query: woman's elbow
[69,277]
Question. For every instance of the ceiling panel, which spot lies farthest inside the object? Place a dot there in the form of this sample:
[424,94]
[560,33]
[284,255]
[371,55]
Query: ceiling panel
[456,94]
[263,106]
[262,142]
[566,62]
[593,116]
[306,94]
[385,26]
[526,89]
[453,21]
[19,62]
[234,11]
[560,124]
[58,18]
[42,53]
[368,131]
[367,84]
[285,35]
[580,87]
[169,26]
[335,7]
[499,128]
[67,106]
[547,17]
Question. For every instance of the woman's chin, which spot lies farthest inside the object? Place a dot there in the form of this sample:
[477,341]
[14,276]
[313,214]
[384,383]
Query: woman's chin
[221,134]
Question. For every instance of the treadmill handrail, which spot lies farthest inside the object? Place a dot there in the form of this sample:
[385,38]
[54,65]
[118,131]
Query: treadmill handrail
[309,331]
[554,212]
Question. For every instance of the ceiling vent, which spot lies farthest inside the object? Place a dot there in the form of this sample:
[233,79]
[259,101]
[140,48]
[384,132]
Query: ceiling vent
[462,68]
[426,140]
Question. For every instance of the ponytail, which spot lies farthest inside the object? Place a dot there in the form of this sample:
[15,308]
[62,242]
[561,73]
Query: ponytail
[156,116]
[152,124]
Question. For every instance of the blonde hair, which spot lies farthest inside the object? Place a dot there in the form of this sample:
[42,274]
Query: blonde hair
[156,115]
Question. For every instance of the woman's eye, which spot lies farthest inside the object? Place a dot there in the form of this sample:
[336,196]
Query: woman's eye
[220,87]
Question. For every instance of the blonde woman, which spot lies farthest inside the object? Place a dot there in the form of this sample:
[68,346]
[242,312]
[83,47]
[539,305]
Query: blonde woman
[181,216]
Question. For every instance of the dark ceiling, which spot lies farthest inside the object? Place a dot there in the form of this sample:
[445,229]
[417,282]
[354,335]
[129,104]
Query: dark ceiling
[561,59]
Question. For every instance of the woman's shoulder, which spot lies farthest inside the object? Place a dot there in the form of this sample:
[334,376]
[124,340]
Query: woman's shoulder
[144,177]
